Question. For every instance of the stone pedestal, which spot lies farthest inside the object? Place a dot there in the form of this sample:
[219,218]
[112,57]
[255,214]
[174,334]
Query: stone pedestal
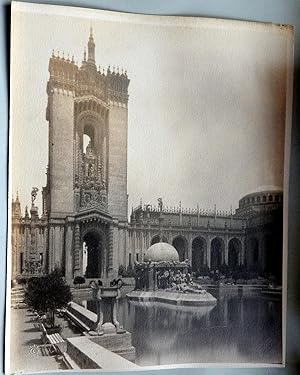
[107,322]
[119,344]
[109,333]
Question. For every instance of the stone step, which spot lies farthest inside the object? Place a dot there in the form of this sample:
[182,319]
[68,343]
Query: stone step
[17,289]
[69,362]
[17,292]
[20,296]
[19,305]
[14,301]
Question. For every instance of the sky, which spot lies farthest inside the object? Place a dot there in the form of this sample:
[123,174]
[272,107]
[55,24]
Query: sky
[206,113]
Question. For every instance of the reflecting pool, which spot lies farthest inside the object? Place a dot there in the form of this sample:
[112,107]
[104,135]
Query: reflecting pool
[246,329]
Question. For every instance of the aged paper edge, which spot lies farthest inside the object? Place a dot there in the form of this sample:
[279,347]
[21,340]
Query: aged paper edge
[167,21]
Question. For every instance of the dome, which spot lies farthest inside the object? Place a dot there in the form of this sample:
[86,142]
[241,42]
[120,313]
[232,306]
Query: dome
[265,189]
[161,252]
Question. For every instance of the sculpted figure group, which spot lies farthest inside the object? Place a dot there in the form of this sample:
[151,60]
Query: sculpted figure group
[178,281]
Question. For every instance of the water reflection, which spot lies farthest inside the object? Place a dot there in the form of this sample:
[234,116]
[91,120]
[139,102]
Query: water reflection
[237,329]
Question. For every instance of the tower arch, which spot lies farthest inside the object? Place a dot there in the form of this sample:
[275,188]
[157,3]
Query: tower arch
[93,257]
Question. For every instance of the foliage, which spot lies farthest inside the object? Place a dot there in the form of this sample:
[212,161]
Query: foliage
[21,280]
[121,270]
[203,270]
[240,273]
[129,272]
[47,293]
[225,270]
[79,280]
[253,272]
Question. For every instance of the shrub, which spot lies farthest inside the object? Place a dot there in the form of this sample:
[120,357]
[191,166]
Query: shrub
[225,270]
[21,280]
[240,273]
[129,272]
[78,280]
[48,293]
[121,270]
[202,271]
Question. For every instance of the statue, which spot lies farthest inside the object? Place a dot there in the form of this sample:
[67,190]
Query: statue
[181,282]
[91,170]
[89,150]
[160,204]
[34,194]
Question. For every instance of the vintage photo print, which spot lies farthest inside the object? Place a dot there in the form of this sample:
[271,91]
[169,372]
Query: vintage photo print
[148,191]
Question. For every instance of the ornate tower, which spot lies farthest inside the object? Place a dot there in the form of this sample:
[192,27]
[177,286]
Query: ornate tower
[87,171]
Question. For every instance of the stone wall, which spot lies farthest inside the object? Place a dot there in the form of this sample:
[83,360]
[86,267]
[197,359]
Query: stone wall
[89,355]
[117,343]
[61,123]
[117,162]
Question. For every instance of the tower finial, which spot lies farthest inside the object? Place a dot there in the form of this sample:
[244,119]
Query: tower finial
[91,48]
[84,54]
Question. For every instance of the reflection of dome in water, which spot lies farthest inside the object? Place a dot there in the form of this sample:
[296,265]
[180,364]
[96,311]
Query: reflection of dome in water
[161,252]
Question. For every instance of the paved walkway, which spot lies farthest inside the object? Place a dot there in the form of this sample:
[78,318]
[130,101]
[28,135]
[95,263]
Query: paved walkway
[24,341]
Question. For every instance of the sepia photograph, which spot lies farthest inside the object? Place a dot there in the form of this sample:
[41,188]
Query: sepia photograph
[148,182]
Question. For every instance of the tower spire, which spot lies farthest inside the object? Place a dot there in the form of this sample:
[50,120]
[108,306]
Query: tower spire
[91,48]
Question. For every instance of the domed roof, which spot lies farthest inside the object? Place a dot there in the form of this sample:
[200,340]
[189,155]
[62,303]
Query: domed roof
[161,252]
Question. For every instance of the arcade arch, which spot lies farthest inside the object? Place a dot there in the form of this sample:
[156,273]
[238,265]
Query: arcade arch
[199,249]
[217,253]
[268,259]
[181,245]
[253,252]
[157,239]
[234,251]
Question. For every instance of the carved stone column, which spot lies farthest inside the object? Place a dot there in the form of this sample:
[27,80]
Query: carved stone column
[261,252]
[77,250]
[68,252]
[113,250]
[208,250]
[134,246]
[226,249]
[190,250]
[51,249]
[242,252]
[104,161]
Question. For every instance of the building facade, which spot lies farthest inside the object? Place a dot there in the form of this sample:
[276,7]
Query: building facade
[251,236]
[84,228]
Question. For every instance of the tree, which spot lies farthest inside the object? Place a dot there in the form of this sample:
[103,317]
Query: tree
[48,293]
[79,280]
[121,270]
[225,270]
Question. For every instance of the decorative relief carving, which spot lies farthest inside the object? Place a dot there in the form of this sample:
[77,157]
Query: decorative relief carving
[93,192]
